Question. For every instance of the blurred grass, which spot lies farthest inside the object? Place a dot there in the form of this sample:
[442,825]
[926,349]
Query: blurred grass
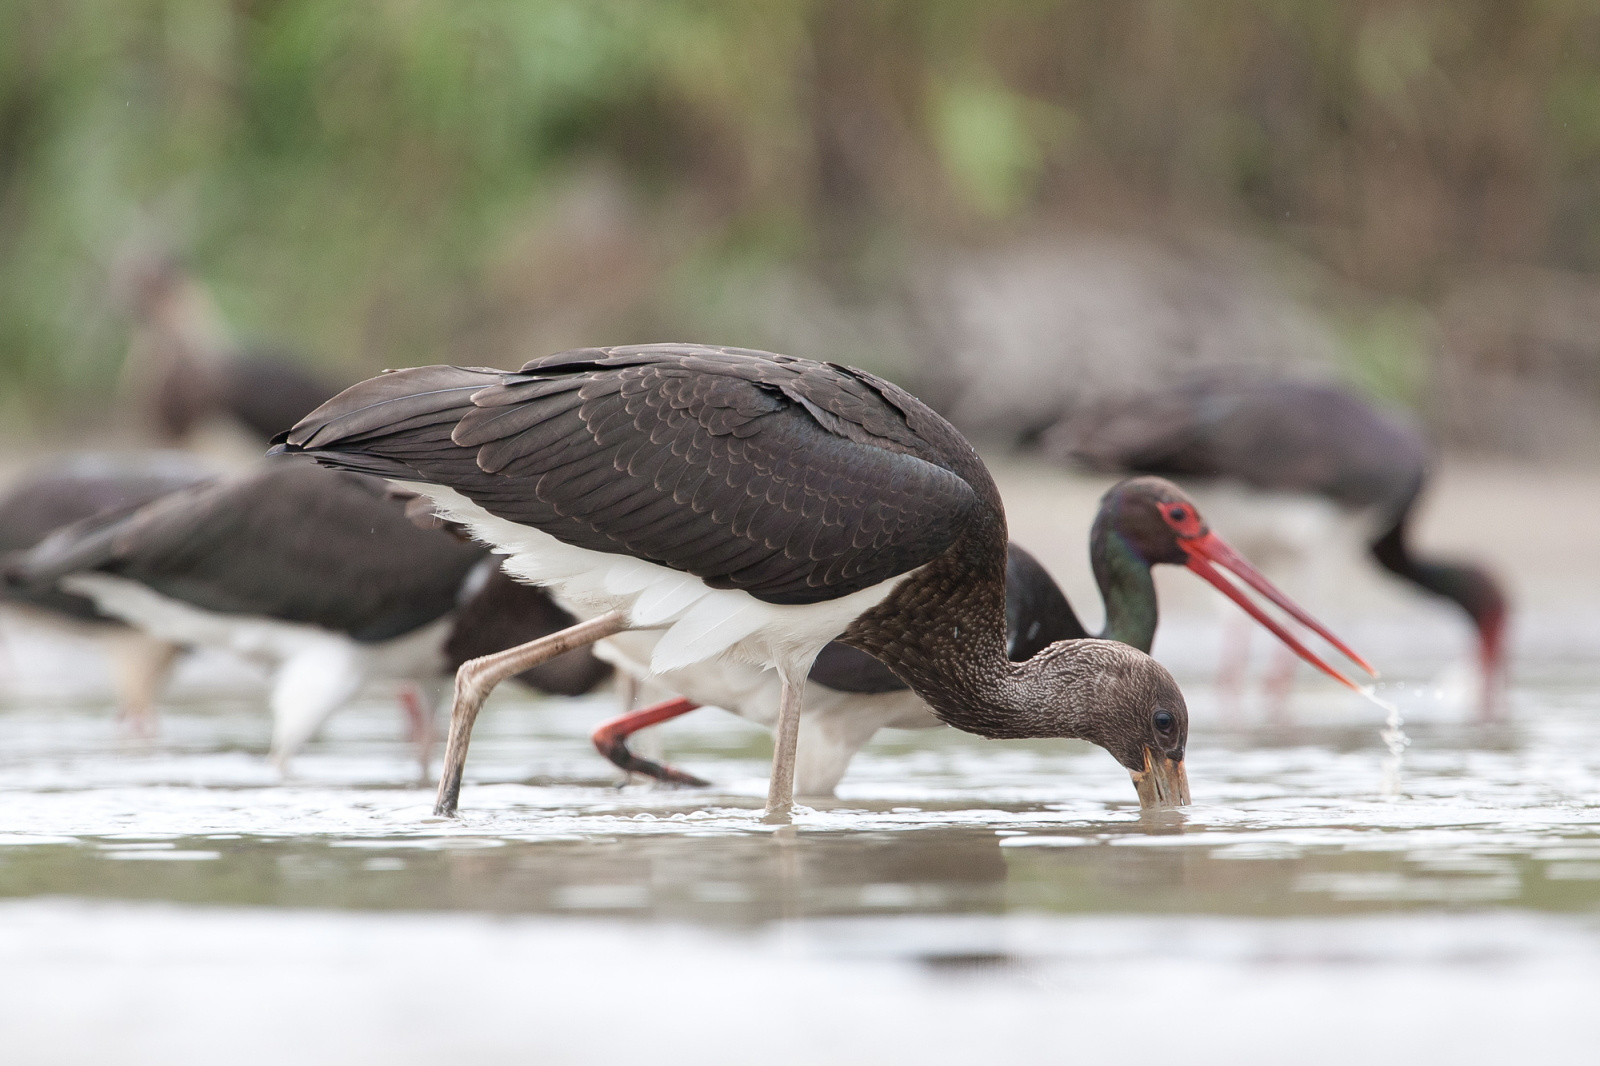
[386,182]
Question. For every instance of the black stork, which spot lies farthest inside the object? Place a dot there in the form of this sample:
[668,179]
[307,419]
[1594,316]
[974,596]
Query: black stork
[1141,523]
[185,370]
[320,575]
[749,505]
[73,489]
[1285,435]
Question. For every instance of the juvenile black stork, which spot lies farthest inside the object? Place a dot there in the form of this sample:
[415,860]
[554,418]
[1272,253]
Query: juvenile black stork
[749,505]
[1292,436]
[186,371]
[319,575]
[1142,522]
[69,491]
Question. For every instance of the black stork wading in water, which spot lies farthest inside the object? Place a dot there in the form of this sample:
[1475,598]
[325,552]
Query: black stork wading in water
[747,505]
[71,490]
[185,372]
[1288,436]
[321,576]
[1141,523]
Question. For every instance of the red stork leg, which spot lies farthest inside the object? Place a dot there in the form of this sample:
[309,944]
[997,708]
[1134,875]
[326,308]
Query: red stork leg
[611,740]
[419,723]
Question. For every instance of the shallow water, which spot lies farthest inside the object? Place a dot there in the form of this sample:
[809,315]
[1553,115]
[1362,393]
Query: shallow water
[960,900]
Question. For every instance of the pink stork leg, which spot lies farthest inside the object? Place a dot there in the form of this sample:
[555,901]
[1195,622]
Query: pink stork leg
[477,678]
[780,791]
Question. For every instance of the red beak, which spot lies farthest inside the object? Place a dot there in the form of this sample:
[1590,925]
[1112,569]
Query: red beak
[1210,548]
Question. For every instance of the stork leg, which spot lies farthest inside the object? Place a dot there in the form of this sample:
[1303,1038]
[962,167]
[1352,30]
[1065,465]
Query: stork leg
[142,664]
[477,678]
[1235,662]
[1279,685]
[780,791]
[611,740]
[310,686]
[420,702]
[649,746]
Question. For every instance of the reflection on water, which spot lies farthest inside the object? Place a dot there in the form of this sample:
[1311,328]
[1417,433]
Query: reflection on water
[746,878]
[984,890]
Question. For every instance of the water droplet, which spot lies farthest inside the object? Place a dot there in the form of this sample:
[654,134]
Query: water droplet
[1394,738]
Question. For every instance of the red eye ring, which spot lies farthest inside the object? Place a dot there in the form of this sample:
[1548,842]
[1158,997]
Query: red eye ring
[1183,519]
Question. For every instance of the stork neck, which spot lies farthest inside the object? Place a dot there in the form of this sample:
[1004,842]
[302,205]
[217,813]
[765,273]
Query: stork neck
[1126,588]
[943,632]
[1470,587]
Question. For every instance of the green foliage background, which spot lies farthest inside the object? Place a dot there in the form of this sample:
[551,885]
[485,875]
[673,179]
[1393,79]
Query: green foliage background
[375,180]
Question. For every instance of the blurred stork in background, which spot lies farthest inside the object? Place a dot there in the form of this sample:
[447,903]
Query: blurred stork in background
[189,381]
[1126,357]
[320,576]
[1016,336]
[1288,438]
[72,490]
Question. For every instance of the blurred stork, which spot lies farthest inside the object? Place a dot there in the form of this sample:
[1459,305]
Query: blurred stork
[319,575]
[185,373]
[1287,437]
[84,487]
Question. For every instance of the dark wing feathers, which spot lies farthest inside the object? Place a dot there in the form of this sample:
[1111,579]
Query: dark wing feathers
[1273,434]
[45,502]
[401,400]
[291,542]
[793,480]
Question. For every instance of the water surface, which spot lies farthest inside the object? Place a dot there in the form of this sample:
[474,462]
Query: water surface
[961,899]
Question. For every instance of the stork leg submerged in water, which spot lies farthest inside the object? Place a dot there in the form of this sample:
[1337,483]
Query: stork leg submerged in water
[1141,523]
[746,505]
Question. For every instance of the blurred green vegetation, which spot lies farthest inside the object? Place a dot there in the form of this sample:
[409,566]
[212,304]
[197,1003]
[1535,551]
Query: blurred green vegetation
[387,182]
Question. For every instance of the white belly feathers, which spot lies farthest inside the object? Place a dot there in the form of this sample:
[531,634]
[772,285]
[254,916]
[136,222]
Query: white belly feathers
[687,621]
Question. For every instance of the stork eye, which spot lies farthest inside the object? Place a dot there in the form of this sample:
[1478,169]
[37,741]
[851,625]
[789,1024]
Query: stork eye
[1163,720]
[1178,514]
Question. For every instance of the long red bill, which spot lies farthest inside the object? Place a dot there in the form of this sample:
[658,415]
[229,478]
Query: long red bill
[1210,548]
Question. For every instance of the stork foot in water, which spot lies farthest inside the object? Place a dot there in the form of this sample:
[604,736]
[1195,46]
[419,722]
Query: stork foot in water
[611,740]
[477,678]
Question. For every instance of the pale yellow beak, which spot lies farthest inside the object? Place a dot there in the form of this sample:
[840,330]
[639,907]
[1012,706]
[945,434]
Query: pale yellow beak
[1162,782]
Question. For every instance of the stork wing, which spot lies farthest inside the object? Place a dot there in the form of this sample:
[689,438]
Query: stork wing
[292,542]
[792,480]
[1275,434]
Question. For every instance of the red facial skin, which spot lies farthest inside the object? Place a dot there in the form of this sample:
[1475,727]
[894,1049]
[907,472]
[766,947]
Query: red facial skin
[1205,551]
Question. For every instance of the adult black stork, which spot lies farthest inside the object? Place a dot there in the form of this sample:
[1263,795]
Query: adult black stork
[1293,436]
[750,505]
[185,370]
[319,575]
[1141,523]
[69,491]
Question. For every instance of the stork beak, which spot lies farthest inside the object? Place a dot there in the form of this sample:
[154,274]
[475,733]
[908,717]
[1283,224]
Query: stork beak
[1162,783]
[1208,549]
